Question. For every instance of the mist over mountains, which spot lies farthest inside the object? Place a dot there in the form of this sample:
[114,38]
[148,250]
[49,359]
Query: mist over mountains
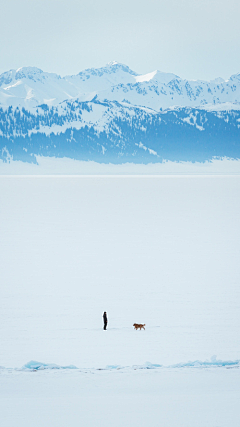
[112,114]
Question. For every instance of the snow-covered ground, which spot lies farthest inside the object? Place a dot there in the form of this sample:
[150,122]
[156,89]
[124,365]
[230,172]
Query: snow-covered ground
[180,398]
[160,250]
[67,166]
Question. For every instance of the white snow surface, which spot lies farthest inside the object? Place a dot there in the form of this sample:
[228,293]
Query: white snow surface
[141,398]
[157,250]
[160,250]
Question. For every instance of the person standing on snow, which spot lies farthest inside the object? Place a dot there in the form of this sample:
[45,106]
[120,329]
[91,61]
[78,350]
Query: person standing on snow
[105,320]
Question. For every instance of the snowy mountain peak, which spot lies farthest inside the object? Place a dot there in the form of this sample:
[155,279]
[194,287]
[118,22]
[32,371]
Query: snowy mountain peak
[112,63]
[235,76]
[115,66]
[32,73]
[146,77]
[217,80]
[28,71]
[7,77]
[158,76]
[111,68]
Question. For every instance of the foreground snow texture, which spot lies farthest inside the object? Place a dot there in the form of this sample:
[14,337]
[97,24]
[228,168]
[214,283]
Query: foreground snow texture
[158,250]
[180,398]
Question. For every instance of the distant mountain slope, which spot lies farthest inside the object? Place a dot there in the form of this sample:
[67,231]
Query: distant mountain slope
[113,132]
[29,86]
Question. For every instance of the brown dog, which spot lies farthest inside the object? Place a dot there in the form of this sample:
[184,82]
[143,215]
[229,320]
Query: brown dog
[139,326]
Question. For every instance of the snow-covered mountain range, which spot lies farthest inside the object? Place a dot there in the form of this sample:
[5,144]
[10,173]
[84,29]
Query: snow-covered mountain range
[114,114]
[29,86]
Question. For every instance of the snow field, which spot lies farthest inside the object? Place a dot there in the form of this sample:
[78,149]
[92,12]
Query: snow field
[157,250]
[175,398]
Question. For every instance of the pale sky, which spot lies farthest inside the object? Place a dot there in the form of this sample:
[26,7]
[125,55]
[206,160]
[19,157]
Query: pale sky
[192,38]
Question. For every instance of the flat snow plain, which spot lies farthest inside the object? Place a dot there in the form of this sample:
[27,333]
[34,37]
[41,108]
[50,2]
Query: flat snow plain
[157,250]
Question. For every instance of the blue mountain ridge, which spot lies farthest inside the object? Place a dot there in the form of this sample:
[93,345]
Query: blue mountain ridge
[124,134]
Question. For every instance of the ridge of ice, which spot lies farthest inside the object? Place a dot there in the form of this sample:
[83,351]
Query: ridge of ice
[33,365]
[197,364]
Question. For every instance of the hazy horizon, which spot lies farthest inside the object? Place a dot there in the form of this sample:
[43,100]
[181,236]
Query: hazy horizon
[195,40]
